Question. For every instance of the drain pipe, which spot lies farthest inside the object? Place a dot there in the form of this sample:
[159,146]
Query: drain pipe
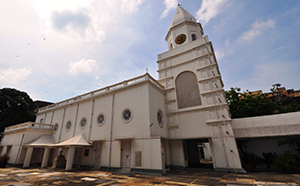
[231,152]
[45,118]
[75,123]
[89,136]
[92,114]
[223,144]
[111,128]
[62,124]
[52,118]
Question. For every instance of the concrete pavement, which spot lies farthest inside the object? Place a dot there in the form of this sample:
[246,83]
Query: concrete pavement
[19,176]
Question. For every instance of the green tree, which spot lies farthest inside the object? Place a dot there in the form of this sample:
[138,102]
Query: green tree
[292,142]
[275,87]
[247,104]
[15,107]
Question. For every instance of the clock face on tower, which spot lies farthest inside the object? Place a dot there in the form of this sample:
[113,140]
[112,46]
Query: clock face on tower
[180,39]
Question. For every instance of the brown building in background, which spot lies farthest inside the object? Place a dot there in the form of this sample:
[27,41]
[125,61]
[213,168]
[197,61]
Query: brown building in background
[39,104]
[280,93]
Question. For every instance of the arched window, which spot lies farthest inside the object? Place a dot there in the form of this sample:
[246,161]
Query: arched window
[194,37]
[171,46]
[187,90]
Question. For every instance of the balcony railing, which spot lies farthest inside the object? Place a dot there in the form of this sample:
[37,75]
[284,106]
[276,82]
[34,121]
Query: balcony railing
[29,125]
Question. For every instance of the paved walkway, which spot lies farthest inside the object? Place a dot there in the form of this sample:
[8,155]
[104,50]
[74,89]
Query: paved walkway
[19,176]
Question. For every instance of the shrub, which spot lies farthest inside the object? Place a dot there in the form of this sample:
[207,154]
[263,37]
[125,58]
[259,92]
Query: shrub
[269,158]
[3,160]
[285,162]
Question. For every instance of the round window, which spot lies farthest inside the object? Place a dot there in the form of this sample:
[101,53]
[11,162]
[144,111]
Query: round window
[127,115]
[160,118]
[55,128]
[180,39]
[101,119]
[83,122]
[68,126]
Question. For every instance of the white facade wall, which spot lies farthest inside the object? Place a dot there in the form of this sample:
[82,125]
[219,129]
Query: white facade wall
[151,153]
[156,104]
[115,154]
[70,115]
[144,101]
[84,111]
[191,125]
[58,118]
[179,159]
[137,100]
[103,106]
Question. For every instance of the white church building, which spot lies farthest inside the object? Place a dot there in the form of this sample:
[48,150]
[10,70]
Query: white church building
[143,124]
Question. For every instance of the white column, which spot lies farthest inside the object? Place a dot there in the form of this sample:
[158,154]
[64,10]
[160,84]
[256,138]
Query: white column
[28,157]
[45,158]
[70,158]
[4,149]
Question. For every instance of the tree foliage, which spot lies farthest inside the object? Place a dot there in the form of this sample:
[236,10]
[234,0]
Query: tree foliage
[15,107]
[247,104]
[275,87]
[292,142]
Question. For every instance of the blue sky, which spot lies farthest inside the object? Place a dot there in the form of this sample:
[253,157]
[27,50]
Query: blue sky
[55,50]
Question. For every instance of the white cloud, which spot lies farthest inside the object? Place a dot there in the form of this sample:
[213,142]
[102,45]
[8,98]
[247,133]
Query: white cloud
[256,30]
[227,43]
[219,54]
[14,76]
[279,48]
[82,66]
[170,4]
[54,13]
[209,9]
[85,21]
[44,8]
[131,5]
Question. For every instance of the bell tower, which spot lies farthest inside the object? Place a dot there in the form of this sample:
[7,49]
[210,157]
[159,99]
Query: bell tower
[183,29]
[195,100]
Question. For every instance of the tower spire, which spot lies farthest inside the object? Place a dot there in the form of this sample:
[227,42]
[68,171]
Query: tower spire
[181,16]
[183,29]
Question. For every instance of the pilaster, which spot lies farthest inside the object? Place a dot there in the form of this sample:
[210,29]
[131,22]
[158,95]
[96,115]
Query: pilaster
[28,157]
[45,158]
[70,158]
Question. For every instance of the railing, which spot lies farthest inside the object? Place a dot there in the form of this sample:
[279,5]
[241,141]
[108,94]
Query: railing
[31,125]
[123,84]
